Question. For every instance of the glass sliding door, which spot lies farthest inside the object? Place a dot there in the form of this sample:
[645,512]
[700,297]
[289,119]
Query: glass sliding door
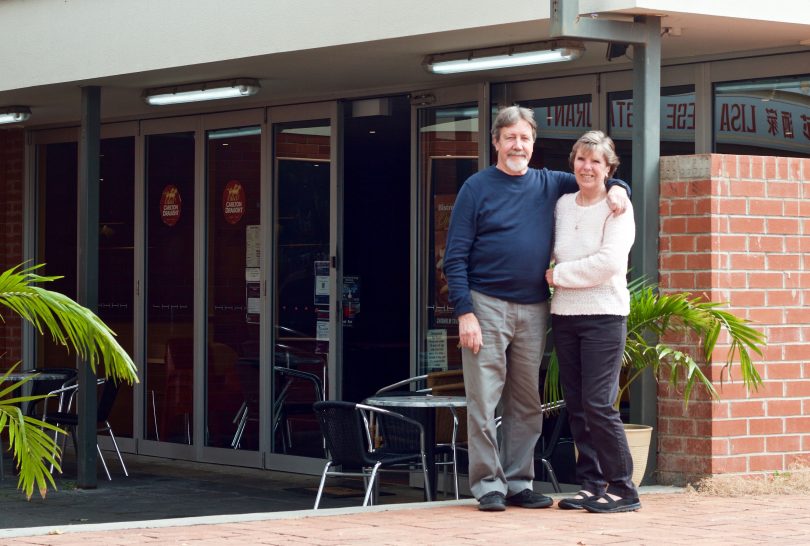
[56,242]
[302,284]
[169,381]
[233,243]
[116,259]
[448,155]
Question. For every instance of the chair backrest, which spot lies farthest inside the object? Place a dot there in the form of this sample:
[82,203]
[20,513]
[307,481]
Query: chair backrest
[554,421]
[398,435]
[405,387]
[41,387]
[106,399]
[344,432]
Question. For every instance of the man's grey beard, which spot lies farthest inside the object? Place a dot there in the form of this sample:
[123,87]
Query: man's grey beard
[517,163]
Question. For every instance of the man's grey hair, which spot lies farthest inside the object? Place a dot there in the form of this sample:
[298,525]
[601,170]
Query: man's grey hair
[509,116]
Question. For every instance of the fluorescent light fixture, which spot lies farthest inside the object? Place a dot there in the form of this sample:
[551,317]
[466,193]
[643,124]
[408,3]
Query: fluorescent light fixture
[14,114]
[195,92]
[503,57]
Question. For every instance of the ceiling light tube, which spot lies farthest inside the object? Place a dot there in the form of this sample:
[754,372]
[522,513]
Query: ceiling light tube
[178,94]
[503,57]
[14,114]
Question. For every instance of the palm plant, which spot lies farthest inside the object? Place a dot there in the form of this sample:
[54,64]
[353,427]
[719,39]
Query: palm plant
[653,316]
[72,326]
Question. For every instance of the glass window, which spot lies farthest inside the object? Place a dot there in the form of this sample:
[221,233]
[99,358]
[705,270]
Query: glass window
[233,177]
[677,124]
[116,258]
[170,287]
[763,117]
[301,328]
[448,144]
[560,122]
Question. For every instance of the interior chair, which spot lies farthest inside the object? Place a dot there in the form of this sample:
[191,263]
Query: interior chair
[179,388]
[296,391]
[70,420]
[247,370]
[345,429]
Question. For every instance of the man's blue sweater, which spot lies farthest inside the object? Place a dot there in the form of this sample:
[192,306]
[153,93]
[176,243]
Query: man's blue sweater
[500,236]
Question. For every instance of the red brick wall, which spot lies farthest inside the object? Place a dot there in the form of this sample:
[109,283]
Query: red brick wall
[737,229]
[11,230]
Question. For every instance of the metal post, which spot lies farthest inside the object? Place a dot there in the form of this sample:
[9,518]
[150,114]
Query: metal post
[87,274]
[645,177]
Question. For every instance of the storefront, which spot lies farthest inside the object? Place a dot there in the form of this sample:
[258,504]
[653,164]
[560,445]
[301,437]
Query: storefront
[256,259]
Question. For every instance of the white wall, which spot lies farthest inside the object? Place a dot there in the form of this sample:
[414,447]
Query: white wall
[779,11]
[51,41]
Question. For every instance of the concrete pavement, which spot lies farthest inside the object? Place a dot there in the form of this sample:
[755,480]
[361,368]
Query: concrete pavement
[666,518]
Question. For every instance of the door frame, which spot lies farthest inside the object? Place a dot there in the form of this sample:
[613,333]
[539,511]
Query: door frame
[478,94]
[275,116]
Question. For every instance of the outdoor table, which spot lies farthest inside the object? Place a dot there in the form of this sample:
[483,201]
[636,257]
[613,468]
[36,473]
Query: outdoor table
[19,376]
[427,403]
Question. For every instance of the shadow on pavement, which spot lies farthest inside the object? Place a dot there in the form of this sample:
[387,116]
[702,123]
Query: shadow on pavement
[159,489]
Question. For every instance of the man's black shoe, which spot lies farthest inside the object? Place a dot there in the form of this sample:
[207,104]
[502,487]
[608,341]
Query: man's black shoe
[529,499]
[492,502]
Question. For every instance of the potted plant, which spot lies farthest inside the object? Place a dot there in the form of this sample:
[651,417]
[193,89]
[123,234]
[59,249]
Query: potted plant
[654,318]
[71,325]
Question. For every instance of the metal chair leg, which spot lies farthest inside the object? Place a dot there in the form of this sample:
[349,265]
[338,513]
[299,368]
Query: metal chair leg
[115,445]
[103,462]
[554,483]
[323,482]
[371,483]
[154,417]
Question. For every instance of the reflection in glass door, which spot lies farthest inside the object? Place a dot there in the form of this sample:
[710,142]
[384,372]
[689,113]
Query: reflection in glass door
[58,173]
[301,293]
[448,147]
[232,371]
[170,287]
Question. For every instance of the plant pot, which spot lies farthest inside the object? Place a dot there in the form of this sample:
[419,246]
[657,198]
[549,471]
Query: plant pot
[638,439]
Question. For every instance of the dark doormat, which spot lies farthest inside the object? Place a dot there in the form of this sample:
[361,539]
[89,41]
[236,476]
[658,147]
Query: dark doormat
[333,492]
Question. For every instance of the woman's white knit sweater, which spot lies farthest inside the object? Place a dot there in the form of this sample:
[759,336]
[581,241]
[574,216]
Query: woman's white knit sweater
[590,250]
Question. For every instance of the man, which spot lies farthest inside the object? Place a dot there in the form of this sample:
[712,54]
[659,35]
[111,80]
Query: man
[498,248]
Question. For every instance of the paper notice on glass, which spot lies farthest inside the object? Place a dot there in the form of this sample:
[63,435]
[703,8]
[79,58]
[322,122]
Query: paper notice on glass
[321,283]
[253,246]
[253,274]
[322,330]
[437,349]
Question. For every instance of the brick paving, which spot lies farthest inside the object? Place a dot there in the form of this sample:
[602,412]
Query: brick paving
[668,518]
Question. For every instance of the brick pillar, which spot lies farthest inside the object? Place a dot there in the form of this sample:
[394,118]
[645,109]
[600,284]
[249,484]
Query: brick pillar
[737,229]
[12,159]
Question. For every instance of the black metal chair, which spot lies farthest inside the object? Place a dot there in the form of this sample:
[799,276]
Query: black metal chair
[345,428]
[451,430]
[547,444]
[63,377]
[70,420]
[556,417]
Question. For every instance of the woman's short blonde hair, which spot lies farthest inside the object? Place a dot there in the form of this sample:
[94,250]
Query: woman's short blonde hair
[596,142]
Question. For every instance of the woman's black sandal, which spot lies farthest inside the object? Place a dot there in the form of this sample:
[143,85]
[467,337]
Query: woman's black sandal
[605,504]
[575,502]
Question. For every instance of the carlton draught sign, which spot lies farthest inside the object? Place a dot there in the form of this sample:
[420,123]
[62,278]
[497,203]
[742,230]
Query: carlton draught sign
[233,201]
[171,205]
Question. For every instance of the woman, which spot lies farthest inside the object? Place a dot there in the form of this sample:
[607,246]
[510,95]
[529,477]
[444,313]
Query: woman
[588,313]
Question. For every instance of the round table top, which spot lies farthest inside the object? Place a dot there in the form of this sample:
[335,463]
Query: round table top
[417,401]
[35,376]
